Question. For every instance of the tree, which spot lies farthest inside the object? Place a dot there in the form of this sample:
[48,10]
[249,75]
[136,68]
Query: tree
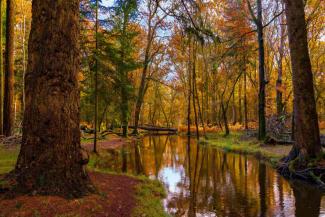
[121,52]
[279,59]
[96,80]
[306,130]
[51,160]
[1,71]
[258,20]
[154,23]
[8,107]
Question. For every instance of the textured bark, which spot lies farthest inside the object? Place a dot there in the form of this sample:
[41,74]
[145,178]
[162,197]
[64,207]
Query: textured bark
[1,73]
[306,129]
[51,160]
[8,105]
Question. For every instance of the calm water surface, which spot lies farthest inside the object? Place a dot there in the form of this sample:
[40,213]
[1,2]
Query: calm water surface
[204,181]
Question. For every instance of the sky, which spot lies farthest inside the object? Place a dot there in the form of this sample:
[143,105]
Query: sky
[108,2]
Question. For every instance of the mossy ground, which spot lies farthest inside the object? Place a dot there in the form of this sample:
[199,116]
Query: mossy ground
[8,159]
[236,143]
[148,195]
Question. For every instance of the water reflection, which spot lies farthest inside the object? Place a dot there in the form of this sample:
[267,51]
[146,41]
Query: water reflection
[204,181]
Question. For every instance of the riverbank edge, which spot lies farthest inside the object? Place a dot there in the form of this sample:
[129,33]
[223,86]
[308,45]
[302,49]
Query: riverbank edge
[148,195]
[253,147]
[248,146]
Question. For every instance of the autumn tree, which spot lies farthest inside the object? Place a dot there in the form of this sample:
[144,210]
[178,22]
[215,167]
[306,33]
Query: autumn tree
[306,130]
[258,20]
[51,160]
[154,24]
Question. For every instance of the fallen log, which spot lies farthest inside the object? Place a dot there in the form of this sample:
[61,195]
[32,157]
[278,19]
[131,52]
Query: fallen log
[157,129]
[285,139]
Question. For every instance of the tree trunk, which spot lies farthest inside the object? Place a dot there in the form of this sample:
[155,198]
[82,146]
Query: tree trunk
[261,104]
[8,106]
[306,130]
[189,95]
[234,113]
[193,91]
[240,113]
[51,160]
[125,107]
[225,120]
[279,103]
[245,99]
[141,95]
[1,71]
[96,82]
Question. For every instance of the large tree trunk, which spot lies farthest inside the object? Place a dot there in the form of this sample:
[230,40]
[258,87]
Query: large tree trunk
[8,106]
[306,130]
[51,160]
[1,72]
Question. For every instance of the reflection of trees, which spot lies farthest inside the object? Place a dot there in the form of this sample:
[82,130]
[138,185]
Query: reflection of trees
[213,181]
[138,159]
[261,182]
[308,200]
[159,151]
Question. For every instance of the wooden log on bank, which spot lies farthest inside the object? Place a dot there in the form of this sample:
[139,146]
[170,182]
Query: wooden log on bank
[285,139]
[156,129]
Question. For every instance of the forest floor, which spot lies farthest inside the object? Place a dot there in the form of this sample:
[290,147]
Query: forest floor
[119,195]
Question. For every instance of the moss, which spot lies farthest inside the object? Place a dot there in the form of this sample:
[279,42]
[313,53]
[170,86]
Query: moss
[234,143]
[149,194]
[8,158]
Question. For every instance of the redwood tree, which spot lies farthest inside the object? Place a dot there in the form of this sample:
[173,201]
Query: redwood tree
[51,160]
[306,130]
[8,106]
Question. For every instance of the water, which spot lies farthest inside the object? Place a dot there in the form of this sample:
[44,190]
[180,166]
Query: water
[203,181]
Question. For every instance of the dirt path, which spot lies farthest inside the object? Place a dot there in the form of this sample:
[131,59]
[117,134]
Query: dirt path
[116,199]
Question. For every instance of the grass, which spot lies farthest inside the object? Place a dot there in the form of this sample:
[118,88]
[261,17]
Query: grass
[149,193]
[148,196]
[234,143]
[8,159]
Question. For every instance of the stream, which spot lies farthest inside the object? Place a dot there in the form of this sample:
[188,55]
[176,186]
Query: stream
[203,181]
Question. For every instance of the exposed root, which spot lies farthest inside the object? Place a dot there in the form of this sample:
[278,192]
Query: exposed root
[11,187]
[294,166]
